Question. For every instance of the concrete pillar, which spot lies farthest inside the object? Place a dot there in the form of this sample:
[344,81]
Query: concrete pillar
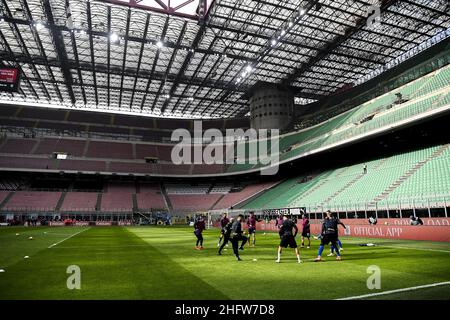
[271,107]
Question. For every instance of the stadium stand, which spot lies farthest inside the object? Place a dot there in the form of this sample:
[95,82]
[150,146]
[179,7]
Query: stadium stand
[125,196]
[29,200]
[233,198]
[79,202]
[412,70]
[392,179]
[3,195]
[420,173]
[70,146]
[76,123]
[54,128]
[109,150]
[187,189]
[117,201]
[429,93]
[21,162]
[208,169]
[173,169]
[18,146]
[150,197]
[145,150]
[431,178]
[221,188]
[121,187]
[131,167]
[389,179]
[424,94]
[165,152]
[82,165]
[10,183]
[196,202]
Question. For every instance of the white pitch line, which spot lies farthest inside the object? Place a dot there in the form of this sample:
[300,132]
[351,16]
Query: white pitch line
[73,235]
[396,291]
[381,245]
[55,234]
[106,247]
[415,248]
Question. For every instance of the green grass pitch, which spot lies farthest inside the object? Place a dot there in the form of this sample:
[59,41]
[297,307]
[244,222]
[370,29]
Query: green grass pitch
[161,263]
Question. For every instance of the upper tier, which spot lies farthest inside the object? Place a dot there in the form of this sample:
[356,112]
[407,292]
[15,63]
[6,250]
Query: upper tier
[77,123]
[425,97]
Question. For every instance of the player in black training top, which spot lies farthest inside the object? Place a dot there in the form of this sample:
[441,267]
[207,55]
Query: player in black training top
[332,249]
[226,232]
[251,224]
[306,230]
[237,235]
[288,231]
[199,226]
[329,234]
[223,222]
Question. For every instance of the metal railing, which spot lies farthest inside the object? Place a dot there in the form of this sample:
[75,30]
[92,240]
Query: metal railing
[394,207]
[390,207]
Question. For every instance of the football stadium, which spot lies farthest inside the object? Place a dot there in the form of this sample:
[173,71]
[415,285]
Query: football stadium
[224,150]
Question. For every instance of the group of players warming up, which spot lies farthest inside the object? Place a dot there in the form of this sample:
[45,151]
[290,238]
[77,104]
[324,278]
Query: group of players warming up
[231,231]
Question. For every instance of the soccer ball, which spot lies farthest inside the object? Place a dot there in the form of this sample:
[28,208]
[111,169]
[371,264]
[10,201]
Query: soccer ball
[17,234]
[30,238]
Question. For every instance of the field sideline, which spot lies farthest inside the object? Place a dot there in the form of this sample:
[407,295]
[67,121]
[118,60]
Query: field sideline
[161,263]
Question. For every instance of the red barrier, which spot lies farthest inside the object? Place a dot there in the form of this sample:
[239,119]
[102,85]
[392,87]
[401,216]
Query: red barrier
[125,223]
[68,223]
[103,223]
[81,223]
[56,224]
[433,229]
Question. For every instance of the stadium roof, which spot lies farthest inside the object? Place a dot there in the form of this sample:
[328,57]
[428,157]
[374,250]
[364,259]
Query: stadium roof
[164,58]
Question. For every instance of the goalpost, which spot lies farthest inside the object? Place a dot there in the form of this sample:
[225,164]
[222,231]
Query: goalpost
[215,215]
